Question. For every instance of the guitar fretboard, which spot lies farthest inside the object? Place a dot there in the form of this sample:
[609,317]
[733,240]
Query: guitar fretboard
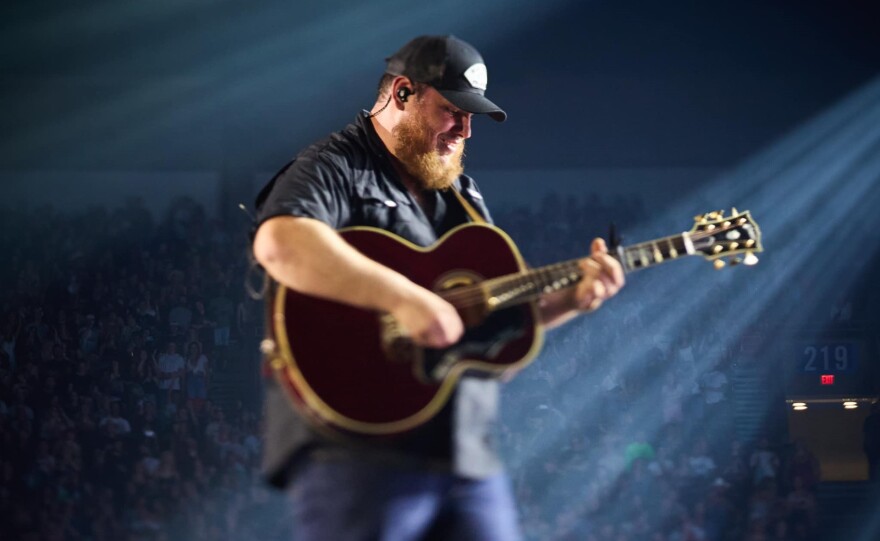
[513,289]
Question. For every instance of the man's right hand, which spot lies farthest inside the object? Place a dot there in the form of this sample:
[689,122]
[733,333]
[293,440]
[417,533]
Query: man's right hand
[428,319]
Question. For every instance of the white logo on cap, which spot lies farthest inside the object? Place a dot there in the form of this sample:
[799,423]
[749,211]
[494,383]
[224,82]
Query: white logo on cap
[477,76]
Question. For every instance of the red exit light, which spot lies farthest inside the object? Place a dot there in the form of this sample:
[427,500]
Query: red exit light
[827,379]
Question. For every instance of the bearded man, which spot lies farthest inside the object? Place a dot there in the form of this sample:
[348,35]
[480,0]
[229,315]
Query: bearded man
[397,168]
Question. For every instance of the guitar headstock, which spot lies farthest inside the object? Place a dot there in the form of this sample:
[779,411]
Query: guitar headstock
[736,238]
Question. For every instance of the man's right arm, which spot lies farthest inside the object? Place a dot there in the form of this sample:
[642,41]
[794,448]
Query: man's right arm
[308,256]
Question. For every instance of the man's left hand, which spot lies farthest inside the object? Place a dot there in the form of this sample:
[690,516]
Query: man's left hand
[603,278]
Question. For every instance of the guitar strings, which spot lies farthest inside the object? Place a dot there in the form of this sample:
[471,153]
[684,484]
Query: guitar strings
[476,294]
[471,295]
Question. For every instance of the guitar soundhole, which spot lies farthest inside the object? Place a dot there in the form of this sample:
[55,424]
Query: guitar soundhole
[456,279]
[457,287]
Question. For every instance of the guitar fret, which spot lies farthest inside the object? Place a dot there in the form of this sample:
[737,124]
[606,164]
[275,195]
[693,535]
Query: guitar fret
[687,244]
[539,280]
[546,274]
[672,251]
[643,257]
[658,256]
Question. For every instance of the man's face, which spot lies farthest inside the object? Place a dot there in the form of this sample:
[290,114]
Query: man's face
[430,140]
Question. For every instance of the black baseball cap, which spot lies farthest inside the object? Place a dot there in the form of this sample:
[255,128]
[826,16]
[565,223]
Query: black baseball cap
[453,67]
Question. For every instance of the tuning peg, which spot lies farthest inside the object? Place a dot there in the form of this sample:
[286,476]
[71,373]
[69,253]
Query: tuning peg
[719,264]
[751,259]
[700,218]
[733,211]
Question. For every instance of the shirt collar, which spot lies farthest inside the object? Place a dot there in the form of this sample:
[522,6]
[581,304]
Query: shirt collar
[374,142]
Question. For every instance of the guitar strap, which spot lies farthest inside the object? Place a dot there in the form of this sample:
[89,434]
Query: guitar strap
[468,208]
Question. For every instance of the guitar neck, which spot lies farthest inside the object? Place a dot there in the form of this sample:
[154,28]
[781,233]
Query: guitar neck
[512,289]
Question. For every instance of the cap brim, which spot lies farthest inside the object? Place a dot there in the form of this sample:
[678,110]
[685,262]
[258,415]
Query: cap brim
[474,103]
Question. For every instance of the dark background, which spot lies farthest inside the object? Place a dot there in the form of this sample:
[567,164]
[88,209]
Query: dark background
[241,85]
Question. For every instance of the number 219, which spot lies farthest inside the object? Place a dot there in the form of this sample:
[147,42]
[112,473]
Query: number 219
[822,355]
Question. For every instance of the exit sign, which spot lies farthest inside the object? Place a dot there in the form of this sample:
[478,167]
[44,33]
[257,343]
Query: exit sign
[831,365]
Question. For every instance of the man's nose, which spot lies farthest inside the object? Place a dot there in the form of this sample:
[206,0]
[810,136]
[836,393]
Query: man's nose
[463,125]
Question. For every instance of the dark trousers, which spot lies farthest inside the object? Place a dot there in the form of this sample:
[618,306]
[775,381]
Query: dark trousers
[341,498]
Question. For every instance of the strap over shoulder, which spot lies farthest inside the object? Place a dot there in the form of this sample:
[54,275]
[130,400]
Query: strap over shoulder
[468,208]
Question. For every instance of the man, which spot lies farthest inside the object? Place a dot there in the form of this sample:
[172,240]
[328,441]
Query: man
[114,424]
[171,369]
[397,168]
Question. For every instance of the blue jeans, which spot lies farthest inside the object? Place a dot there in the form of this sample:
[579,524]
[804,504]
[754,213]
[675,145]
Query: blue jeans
[344,499]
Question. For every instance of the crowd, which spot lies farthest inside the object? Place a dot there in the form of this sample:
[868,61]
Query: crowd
[116,328]
[113,328]
[654,457]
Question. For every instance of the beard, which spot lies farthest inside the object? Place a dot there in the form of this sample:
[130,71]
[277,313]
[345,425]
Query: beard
[415,149]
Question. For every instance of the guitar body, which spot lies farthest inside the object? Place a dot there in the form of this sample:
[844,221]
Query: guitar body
[345,373]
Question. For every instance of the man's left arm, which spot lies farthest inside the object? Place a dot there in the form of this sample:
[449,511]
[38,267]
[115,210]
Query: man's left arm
[603,278]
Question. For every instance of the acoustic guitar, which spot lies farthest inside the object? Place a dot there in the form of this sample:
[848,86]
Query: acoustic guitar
[354,370]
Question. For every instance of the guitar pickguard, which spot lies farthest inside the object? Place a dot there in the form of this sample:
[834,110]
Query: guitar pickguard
[485,342]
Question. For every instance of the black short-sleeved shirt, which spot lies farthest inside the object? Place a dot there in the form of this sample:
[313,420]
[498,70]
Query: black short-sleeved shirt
[347,180]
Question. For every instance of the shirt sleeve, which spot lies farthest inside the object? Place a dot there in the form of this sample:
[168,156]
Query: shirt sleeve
[308,187]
